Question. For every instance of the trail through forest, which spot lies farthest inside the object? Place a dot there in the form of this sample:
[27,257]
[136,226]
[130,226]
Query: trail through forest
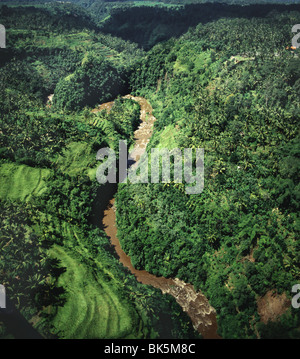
[195,304]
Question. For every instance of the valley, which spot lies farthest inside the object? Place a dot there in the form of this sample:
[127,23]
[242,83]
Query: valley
[84,260]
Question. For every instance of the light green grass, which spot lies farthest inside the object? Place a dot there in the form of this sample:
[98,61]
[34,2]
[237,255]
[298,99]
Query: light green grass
[20,182]
[167,138]
[180,67]
[77,158]
[93,307]
[196,61]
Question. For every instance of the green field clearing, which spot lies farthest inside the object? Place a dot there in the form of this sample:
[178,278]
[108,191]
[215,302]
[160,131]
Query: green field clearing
[167,138]
[77,40]
[78,158]
[20,182]
[94,307]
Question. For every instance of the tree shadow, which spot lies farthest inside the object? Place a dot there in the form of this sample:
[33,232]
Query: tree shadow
[104,194]
[148,26]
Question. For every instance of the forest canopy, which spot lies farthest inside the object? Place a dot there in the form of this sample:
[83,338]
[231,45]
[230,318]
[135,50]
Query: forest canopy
[231,87]
[219,77]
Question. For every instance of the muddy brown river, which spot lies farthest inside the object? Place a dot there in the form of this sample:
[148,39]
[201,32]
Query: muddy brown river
[195,304]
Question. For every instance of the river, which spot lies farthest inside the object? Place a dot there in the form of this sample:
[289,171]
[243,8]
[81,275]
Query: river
[202,315]
[195,304]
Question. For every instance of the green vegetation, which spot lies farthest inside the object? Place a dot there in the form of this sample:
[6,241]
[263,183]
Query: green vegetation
[94,81]
[56,262]
[94,308]
[219,77]
[232,88]
[21,181]
[148,26]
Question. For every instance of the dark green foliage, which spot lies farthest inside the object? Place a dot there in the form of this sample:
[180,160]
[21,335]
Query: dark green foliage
[25,268]
[286,328]
[231,88]
[54,17]
[95,81]
[148,26]
[34,134]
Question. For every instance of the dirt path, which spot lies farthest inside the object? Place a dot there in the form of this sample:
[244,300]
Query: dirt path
[196,305]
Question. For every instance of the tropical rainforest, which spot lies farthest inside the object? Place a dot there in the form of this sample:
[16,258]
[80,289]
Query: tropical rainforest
[222,77]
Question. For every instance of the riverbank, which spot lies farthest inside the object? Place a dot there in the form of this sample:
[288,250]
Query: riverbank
[195,304]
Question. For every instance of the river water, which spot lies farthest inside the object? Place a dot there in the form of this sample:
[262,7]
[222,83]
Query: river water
[195,304]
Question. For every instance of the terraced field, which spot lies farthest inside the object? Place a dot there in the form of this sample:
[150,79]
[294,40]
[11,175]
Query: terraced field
[97,304]
[94,307]
[20,182]
[78,40]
